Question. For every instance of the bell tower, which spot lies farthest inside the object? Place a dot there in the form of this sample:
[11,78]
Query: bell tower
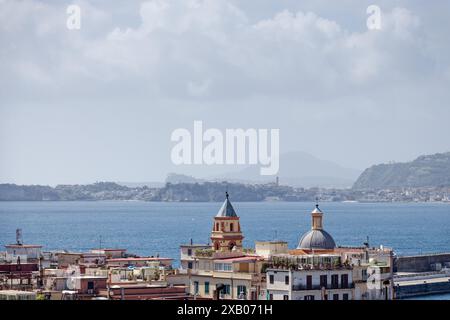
[226,233]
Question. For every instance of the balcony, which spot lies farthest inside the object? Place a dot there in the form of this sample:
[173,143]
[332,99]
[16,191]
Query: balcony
[301,287]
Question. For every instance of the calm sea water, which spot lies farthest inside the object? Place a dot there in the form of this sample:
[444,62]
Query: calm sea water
[150,228]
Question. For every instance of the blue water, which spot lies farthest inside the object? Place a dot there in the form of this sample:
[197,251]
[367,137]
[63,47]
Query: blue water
[149,228]
[444,296]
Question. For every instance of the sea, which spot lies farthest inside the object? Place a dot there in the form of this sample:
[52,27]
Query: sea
[159,228]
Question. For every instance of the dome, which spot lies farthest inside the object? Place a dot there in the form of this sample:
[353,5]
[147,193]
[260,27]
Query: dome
[316,239]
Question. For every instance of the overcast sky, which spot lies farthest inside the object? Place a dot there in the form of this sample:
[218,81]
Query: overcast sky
[100,103]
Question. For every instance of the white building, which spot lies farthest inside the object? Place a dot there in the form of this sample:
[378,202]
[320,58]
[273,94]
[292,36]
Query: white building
[309,277]
[188,253]
[28,251]
[319,270]
[267,249]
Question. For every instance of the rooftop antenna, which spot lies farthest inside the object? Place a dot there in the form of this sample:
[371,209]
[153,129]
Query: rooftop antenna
[19,237]
[226,190]
[367,242]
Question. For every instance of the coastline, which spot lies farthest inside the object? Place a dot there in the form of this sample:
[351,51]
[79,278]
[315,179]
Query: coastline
[237,201]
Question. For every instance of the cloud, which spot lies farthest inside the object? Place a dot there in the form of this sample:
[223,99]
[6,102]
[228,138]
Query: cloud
[207,49]
[139,69]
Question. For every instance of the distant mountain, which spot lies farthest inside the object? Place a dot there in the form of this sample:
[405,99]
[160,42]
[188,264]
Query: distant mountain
[300,169]
[425,171]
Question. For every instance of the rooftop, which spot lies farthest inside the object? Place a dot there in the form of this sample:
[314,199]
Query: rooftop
[194,245]
[270,242]
[15,245]
[138,259]
[17,292]
[240,259]
[83,276]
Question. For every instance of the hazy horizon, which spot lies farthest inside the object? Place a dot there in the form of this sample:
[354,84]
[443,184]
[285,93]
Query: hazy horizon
[100,103]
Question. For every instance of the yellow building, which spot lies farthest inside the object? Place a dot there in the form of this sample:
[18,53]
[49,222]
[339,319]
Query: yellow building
[233,276]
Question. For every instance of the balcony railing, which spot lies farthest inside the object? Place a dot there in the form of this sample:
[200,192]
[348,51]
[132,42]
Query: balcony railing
[301,287]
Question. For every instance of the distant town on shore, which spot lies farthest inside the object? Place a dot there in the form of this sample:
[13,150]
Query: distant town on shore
[426,179]
[211,191]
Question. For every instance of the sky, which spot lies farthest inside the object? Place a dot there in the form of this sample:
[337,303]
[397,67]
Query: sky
[100,103]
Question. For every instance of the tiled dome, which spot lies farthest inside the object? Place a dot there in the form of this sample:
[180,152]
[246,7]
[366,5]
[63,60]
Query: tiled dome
[316,239]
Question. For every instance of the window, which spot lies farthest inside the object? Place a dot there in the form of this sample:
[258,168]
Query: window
[271,296]
[241,292]
[308,282]
[325,297]
[323,281]
[364,274]
[189,265]
[271,279]
[286,280]
[222,292]
[206,287]
[231,227]
[334,281]
[309,298]
[195,287]
[285,297]
[223,267]
[90,285]
[345,296]
[344,281]
[189,253]
[335,296]
[226,289]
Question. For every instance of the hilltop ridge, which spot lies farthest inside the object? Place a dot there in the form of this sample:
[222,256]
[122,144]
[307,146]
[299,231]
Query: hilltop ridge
[425,171]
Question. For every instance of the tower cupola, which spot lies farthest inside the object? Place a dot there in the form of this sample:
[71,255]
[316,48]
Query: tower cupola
[226,233]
